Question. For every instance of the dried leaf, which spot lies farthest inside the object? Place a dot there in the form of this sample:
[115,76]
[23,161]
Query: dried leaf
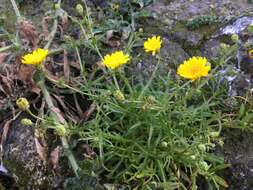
[54,157]
[64,20]
[41,150]
[3,57]
[89,112]
[88,151]
[45,27]
[112,39]
[25,73]
[66,66]
[28,31]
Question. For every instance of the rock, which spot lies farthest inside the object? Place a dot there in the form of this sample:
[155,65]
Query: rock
[211,48]
[173,53]
[188,38]
[21,160]
[238,152]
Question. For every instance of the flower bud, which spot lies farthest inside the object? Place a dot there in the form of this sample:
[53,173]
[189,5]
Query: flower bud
[250,53]
[23,104]
[235,38]
[115,6]
[203,165]
[214,134]
[60,129]
[79,9]
[224,46]
[26,121]
[57,6]
[164,144]
[202,147]
[193,157]
[251,28]
[141,30]
[119,95]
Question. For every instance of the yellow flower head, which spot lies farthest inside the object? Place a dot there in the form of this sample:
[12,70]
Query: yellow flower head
[153,44]
[250,54]
[23,104]
[115,60]
[194,68]
[36,57]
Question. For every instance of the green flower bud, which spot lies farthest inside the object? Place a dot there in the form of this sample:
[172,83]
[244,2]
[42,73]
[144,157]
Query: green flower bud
[23,104]
[79,9]
[224,46]
[251,28]
[26,121]
[204,166]
[164,144]
[193,157]
[60,129]
[119,95]
[202,147]
[235,38]
[214,134]
[57,6]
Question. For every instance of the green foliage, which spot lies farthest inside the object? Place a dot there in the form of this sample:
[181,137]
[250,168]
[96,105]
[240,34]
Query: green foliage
[200,21]
[159,135]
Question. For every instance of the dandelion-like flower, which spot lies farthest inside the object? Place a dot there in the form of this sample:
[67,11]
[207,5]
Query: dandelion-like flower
[153,44]
[194,68]
[115,59]
[36,57]
[250,53]
[23,104]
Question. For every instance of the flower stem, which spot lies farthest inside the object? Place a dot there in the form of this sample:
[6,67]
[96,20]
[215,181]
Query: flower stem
[16,10]
[151,78]
[115,80]
[54,28]
[59,119]
[6,48]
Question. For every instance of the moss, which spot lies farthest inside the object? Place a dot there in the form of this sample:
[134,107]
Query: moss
[200,21]
[22,174]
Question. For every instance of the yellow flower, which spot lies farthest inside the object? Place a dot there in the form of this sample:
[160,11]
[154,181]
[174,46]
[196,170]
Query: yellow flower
[194,68]
[36,57]
[23,104]
[153,44]
[250,54]
[115,60]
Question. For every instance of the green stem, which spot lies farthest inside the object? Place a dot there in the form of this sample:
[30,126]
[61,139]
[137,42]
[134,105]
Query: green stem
[15,8]
[6,48]
[151,78]
[115,80]
[55,115]
[126,82]
[91,30]
[82,66]
[54,28]
[36,117]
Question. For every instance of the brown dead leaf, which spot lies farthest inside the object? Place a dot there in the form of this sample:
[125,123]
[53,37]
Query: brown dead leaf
[54,157]
[66,66]
[88,152]
[86,115]
[64,21]
[3,57]
[25,73]
[6,85]
[45,27]
[59,115]
[41,150]
[28,31]
[112,39]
